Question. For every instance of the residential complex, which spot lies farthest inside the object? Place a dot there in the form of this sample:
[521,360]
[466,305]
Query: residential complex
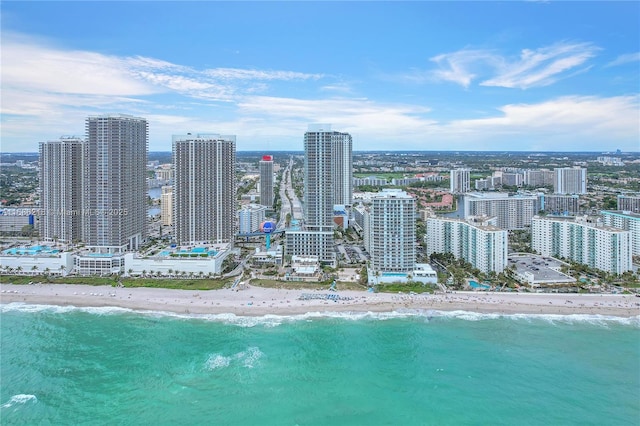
[390,231]
[629,222]
[114,183]
[166,205]
[250,217]
[204,191]
[266,181]
[511,212]
[583,240]
[629,203]
[570,180]
[477,241]
[61,189]
[460,181]
[538,178]
[328,181]
[559,204]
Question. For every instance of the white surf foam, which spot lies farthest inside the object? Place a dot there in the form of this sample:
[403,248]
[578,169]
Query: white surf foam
[19,399]
[276,320]
[216,361]
[247,359]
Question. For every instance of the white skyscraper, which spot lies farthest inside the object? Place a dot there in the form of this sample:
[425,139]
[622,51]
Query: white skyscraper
[61,189]
[459,181]
[204,190]
[391,231]
[583,241]
[570,180]
[266,181]
[477,241]
[115,183]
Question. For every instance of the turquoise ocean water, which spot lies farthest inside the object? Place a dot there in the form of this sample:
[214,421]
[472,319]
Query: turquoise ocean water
[113,366]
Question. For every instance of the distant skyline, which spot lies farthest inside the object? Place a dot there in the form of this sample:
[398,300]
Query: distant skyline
[465,76]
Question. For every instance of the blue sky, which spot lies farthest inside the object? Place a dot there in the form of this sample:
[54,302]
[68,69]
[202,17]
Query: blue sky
[548,76]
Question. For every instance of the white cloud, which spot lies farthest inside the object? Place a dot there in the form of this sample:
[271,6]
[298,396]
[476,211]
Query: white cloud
[624,59]
[539,67]
[243,74]
[458,67]
[571,122]
[362,116]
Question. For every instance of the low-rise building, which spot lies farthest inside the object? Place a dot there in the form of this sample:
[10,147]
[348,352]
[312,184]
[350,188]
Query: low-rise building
[36,260]
[179,261]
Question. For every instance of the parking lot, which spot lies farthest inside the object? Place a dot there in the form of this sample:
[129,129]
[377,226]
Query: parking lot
[539,270]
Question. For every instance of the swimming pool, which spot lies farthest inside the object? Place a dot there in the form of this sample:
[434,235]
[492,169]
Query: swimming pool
[475,284]
[30,251]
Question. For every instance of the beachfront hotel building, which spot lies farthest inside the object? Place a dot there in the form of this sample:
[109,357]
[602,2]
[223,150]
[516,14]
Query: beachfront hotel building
[328,181]
[583,240]
[570,180]
[266,181]
[477,240]
[204,190]
[390,232]
[460,181]
[511,212]
[115,183]
[61,190]
[628,221]
[629,203]
[166,205]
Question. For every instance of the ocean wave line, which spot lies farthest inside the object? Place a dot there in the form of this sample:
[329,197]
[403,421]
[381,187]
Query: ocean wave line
[20,398]
[275,320]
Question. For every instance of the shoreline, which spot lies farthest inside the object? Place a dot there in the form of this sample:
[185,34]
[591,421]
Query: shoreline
[258,301]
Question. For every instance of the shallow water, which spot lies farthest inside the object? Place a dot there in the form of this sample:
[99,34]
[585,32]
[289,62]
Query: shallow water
[111,365]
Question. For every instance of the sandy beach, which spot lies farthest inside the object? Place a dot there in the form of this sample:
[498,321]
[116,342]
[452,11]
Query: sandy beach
[256,301]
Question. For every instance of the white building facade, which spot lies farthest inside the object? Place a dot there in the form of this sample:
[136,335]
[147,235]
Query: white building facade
[570,180]
[460,181]
[629,222]
[511,212]
[478,242]
[582,241]
[391,231]
[250,217]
